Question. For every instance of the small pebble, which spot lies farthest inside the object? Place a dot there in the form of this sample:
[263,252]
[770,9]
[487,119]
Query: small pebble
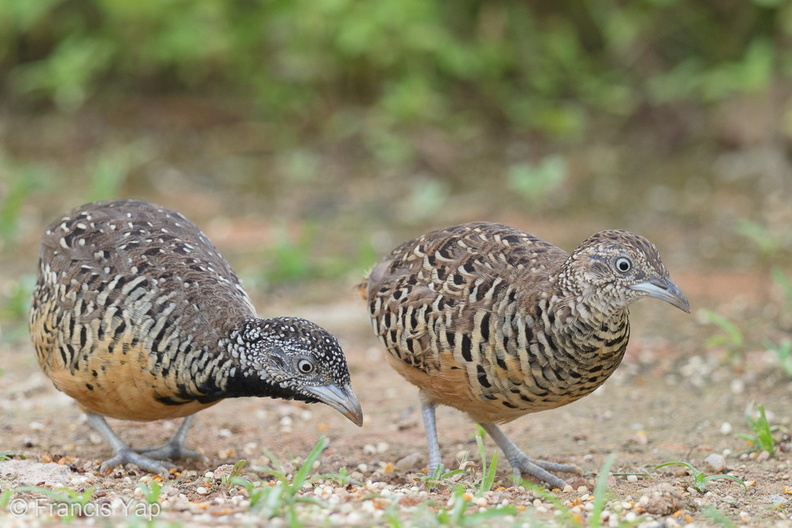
[726,428]
[632,478]
[409,462]
[715,463]
[201,490]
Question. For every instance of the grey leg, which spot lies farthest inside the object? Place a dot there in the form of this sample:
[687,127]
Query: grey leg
[524,465]
[123,453]
[174,448]
[430,426]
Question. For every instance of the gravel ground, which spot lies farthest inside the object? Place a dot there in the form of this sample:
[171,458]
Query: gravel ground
[672,400]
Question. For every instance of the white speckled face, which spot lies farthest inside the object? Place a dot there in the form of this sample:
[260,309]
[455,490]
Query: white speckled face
[293,358]
[291,351]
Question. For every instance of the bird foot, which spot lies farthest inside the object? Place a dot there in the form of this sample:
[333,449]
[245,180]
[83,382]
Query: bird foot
[436,472]
[168,451]
[540,469]
[128,456]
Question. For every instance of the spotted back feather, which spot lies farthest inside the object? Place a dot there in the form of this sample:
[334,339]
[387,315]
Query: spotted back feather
[499,323]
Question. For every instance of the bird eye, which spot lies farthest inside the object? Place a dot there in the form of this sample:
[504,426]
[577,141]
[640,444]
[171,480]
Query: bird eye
[623,264]
[305,366]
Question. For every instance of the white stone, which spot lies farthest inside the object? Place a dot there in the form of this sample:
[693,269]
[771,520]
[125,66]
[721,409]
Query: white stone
[715,463]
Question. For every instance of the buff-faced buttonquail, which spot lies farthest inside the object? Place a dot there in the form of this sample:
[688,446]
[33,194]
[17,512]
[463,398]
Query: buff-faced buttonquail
[499,323]
[137,316]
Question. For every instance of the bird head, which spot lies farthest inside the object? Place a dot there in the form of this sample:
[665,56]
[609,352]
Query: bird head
[297,359]
[612,269]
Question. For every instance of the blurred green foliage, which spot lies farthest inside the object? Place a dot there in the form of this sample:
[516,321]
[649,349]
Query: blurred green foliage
[784,283]
[109,167]
[293,257]
[730,337]
[290,256]
[770,242]
[15,299]
[368,68]
[17,181]
[535,181]
[782,352]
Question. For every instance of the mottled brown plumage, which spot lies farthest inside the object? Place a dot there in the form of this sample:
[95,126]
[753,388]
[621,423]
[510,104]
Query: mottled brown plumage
[499,323]
[137,316]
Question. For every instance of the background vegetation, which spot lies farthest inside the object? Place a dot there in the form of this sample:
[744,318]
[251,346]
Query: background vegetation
[333,116]
[345,66]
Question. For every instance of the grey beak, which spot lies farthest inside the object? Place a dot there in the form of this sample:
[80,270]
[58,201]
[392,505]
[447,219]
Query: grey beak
[341,399]
[664,290]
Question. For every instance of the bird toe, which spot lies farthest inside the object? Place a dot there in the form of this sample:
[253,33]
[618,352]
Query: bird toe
[531,468]
[169,451]
[555,466]
[127,456]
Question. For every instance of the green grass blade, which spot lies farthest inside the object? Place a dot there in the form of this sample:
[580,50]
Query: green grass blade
[718,517]
[488,479]
[689,466]
[307,466]
[600,490]
[724,476]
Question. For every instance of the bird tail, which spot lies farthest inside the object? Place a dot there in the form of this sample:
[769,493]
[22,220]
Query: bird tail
[362,286]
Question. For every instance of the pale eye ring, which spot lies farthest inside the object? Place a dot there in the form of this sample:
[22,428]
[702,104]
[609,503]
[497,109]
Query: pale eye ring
[623,264]
[305,366]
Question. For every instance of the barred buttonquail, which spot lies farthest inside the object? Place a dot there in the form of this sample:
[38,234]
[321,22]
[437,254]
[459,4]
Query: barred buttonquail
[137,316]
[498,323]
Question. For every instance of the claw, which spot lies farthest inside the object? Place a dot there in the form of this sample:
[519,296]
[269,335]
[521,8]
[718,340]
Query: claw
[540,469]
[169,451]
[146,459]
[127,456]
[522,465]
